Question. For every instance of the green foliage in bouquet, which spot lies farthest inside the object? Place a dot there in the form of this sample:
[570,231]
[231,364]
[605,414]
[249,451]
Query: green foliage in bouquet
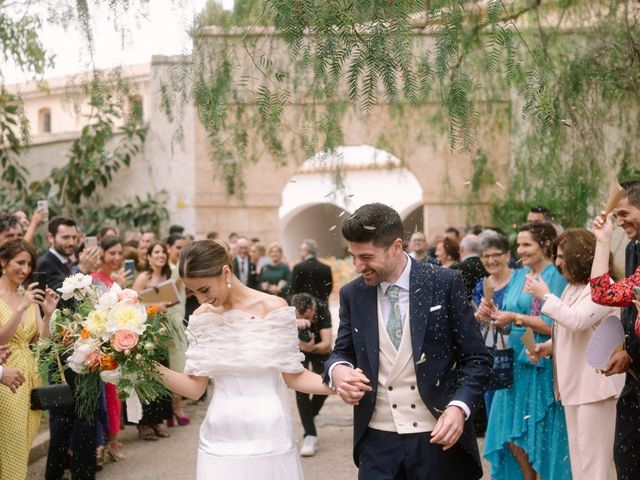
[109,336]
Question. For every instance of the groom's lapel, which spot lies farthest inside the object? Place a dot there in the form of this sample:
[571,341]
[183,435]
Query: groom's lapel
[367,312]
[420,300]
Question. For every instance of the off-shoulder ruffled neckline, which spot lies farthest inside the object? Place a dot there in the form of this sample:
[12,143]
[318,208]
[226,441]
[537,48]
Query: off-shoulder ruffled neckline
[247,314]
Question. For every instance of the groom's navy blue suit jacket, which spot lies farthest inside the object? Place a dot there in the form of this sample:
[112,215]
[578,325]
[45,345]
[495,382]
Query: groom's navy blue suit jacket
[450,358]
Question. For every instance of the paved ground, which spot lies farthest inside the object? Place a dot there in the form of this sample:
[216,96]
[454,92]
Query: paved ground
[174,457]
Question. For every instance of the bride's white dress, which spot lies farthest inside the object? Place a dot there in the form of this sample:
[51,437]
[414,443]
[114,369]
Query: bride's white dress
[247,433]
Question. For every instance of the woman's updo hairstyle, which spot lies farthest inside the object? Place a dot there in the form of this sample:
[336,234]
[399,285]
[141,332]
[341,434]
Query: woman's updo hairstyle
[204,259]
[543,234]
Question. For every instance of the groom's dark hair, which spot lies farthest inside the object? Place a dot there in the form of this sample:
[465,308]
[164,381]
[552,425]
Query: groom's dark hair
[374,222]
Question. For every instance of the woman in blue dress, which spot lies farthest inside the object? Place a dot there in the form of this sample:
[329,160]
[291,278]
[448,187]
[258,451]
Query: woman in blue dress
[527,433]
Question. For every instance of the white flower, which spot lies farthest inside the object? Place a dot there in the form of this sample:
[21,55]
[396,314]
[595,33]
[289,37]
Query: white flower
[82,349]
[109,299]
[111,376]
[96,323]
[76,286]
[127,316]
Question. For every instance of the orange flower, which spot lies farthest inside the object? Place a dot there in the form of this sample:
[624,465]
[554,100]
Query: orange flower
[108,363]
[85,334]
[152,310]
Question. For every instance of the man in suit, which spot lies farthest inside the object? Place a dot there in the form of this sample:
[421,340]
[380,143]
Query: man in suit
[243,268]
[626,450]
[409,356]
[470,265]
[66,429]
[311,275]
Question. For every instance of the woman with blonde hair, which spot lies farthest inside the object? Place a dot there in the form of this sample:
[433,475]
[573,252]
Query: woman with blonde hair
[274,277]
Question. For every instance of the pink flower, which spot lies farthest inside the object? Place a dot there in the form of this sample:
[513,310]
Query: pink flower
[124,340]
[93,361]
[128,295]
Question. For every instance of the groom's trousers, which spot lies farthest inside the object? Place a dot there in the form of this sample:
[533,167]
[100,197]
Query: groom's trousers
[391,456]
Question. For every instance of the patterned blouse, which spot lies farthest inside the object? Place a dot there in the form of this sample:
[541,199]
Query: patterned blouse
[618,294]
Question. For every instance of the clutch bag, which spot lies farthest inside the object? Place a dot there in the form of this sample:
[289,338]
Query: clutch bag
[51,396]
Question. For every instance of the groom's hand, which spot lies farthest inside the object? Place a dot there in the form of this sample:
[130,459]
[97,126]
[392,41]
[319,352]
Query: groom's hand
[350,384]
[449,427]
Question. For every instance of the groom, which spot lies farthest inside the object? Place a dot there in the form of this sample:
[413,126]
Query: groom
[409,356]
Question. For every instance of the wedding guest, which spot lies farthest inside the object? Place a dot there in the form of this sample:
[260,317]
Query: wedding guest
[258,256]
[175,244]
[243,268]
[67,430]
[589,398]
[274,277]
[29,227]
[316,346]
[111,271]
[418,246]
[495,253]
[246,342]
[626,451]
[447,252]
[470,266]
[147,237]
[20,326]
[108,231]
[525,414]
[9,227]
[157,271]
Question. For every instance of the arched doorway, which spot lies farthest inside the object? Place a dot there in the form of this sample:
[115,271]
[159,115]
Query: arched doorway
[312,208]
[413,220]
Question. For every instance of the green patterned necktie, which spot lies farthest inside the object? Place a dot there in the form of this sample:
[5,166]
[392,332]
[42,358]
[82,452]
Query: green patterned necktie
[394,322]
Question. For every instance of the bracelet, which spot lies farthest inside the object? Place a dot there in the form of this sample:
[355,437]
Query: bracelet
[519,320]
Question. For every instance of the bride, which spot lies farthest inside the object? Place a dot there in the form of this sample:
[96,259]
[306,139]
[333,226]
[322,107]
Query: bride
[246,342]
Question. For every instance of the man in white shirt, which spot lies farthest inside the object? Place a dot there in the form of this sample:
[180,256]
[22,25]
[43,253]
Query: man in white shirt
[409,356]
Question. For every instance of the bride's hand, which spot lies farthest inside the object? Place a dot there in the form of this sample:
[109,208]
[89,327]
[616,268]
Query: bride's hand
[205,308]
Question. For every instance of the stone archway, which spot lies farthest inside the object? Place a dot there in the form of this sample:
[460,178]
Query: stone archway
[311,207]
[413,219]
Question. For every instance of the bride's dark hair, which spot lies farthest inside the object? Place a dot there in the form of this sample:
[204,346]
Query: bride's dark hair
[203,259]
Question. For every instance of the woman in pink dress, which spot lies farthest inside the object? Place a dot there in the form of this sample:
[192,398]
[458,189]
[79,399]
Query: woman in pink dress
[111,271]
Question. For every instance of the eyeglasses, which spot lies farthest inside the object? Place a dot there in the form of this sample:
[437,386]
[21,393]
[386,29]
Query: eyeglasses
[493,256]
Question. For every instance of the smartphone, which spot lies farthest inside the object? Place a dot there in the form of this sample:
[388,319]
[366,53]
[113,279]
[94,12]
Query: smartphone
[636,292]
[90,242]
[44,206]
[40,278]
[129,267]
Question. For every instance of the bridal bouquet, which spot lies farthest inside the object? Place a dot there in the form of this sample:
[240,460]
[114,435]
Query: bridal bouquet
[108,335]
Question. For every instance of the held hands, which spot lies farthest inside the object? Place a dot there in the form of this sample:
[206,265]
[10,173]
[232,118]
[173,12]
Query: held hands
[12,378]
[602,227]
[535,286]
[350,384]
[449,427]
[542,350]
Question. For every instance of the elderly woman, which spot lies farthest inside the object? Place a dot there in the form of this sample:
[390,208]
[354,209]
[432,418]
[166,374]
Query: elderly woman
[274,277]
[527,433]
[589,398]
[495,258]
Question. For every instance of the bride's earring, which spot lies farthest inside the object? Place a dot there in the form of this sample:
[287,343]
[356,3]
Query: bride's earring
[228,282]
